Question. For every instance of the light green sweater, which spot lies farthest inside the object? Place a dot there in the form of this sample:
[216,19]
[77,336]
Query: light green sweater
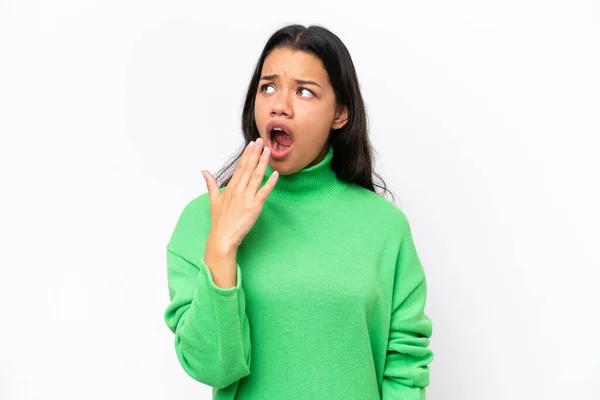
[329,302]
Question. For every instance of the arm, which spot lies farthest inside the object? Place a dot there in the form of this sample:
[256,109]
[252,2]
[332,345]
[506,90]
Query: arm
[406,371]
[212,336]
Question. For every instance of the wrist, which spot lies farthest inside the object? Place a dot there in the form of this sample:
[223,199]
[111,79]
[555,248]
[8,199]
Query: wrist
[220,246]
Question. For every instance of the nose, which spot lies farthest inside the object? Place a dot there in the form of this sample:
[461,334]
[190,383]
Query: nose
[282,105]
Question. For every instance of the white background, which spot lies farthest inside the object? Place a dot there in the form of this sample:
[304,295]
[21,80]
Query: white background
[484,117]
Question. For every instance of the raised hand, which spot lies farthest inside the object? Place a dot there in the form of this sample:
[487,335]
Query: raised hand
[236,209]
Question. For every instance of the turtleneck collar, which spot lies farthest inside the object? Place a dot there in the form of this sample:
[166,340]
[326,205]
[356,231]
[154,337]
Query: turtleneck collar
[309,185]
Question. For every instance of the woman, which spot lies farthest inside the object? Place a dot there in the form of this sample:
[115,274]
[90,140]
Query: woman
[293,278]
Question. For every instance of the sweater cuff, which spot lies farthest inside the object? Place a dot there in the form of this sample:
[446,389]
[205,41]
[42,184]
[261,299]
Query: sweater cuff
[217,289]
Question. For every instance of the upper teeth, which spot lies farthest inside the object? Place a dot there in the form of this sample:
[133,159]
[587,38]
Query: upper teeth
[277,129]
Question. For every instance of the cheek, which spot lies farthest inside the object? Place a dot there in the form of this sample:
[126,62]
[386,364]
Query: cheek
[316,120]
[259,116]
[258,102]
[257,106]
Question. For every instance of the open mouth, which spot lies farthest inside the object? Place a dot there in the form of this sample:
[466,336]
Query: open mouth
[281,139]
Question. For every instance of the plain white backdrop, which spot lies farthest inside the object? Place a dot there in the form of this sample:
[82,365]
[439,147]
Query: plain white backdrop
[485,120]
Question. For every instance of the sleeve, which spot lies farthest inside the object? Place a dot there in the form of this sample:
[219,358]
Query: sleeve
[406,371]
[212,335]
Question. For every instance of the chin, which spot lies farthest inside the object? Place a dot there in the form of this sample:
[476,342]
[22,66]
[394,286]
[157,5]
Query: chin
[281,166]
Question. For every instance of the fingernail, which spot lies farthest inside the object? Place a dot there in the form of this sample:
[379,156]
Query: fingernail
[250,144]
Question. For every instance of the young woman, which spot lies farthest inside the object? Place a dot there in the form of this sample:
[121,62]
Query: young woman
[293,278]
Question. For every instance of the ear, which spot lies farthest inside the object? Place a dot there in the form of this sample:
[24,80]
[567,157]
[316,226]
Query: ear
[341,117]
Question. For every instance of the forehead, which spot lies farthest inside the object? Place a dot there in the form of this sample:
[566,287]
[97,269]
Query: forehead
[295,64]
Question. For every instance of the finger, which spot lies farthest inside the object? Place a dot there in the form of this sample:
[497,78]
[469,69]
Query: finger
[264,191]
[249,166]
[233,182]
[211,185]
[259,172]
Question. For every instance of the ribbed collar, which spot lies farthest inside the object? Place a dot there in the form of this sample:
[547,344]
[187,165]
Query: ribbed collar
[309,185]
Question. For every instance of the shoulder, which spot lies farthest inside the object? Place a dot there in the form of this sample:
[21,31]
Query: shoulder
[378,208]
[193,223]
[196,206]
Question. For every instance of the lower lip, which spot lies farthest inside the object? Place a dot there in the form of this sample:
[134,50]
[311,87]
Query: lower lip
[281,152]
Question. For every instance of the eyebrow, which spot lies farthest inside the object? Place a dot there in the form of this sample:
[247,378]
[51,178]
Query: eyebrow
[298,81]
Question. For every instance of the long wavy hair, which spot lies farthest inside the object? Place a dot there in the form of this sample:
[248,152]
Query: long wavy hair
[353,154]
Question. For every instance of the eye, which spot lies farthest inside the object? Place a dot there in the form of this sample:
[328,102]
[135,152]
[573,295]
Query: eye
[265,86]
[310,94]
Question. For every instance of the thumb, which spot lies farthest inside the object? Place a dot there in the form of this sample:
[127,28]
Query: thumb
[211,185]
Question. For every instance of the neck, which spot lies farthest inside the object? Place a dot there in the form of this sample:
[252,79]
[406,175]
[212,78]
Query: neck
[310,185]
